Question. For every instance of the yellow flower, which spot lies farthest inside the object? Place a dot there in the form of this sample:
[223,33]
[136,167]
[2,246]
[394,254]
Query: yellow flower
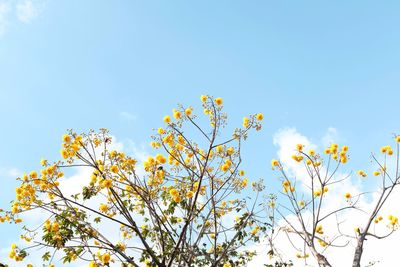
[301,203]
[244,182]
[317,193]
[177,198]
[274,163]
[259,116]
[107,183]
[189,194]
[105,258]
[33,174]
[161,131]
[93,264]
[173,192]
[376,173]
[64,154]
[218,101]
[161,159]
[55,226]
[167,119]
[203,98]
[230,150]
[255,230]
[224,167]
[241,172]
[297,158]
[177,115]
[188,111]
[362,173]
[347,195]
[43,162]
[114,169]
[398,138]
[66,138]
[245,122]
[103,208]
[311,152]
[299,147]
[319,230]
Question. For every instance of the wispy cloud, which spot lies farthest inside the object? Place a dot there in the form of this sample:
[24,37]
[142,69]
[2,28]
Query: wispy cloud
[26,11]
[126,116]
[5,9]
[23,11]
[10,172]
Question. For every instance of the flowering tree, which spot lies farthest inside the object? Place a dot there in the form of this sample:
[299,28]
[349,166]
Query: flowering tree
[186,209]
[307,208]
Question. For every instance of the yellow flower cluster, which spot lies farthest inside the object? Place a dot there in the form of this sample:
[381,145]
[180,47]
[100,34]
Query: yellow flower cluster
[175,195]
[362,173]
[338,155]
[319,230]
[14,255]
[393,220]
[69,148]
[287,186]
[317,192]
[104,258]
[297,158]
[378,219]
[302,256]
[322,243]
[387,150]
[255,230]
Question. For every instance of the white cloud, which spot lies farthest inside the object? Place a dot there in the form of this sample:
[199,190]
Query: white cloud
[382,251]
[26,11]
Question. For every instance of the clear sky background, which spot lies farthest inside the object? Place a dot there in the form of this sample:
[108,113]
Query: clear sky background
[123,65]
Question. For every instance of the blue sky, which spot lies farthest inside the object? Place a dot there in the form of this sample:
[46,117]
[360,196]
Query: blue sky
[90,64]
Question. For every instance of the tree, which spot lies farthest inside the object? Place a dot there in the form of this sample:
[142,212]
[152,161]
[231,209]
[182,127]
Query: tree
[186,209]
[307,208]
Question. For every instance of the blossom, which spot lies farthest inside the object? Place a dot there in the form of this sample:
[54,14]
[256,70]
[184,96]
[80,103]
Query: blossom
[188,112]
[189,194]
[167,119]
[347,195]
[259,116]
[114,169]
[203,98]
[66,138]
[245,122]
[105,258]
[274,163]
[218,101]
[361,173]
[64,153]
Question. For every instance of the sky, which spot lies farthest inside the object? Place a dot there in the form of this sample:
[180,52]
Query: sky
[326,70]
